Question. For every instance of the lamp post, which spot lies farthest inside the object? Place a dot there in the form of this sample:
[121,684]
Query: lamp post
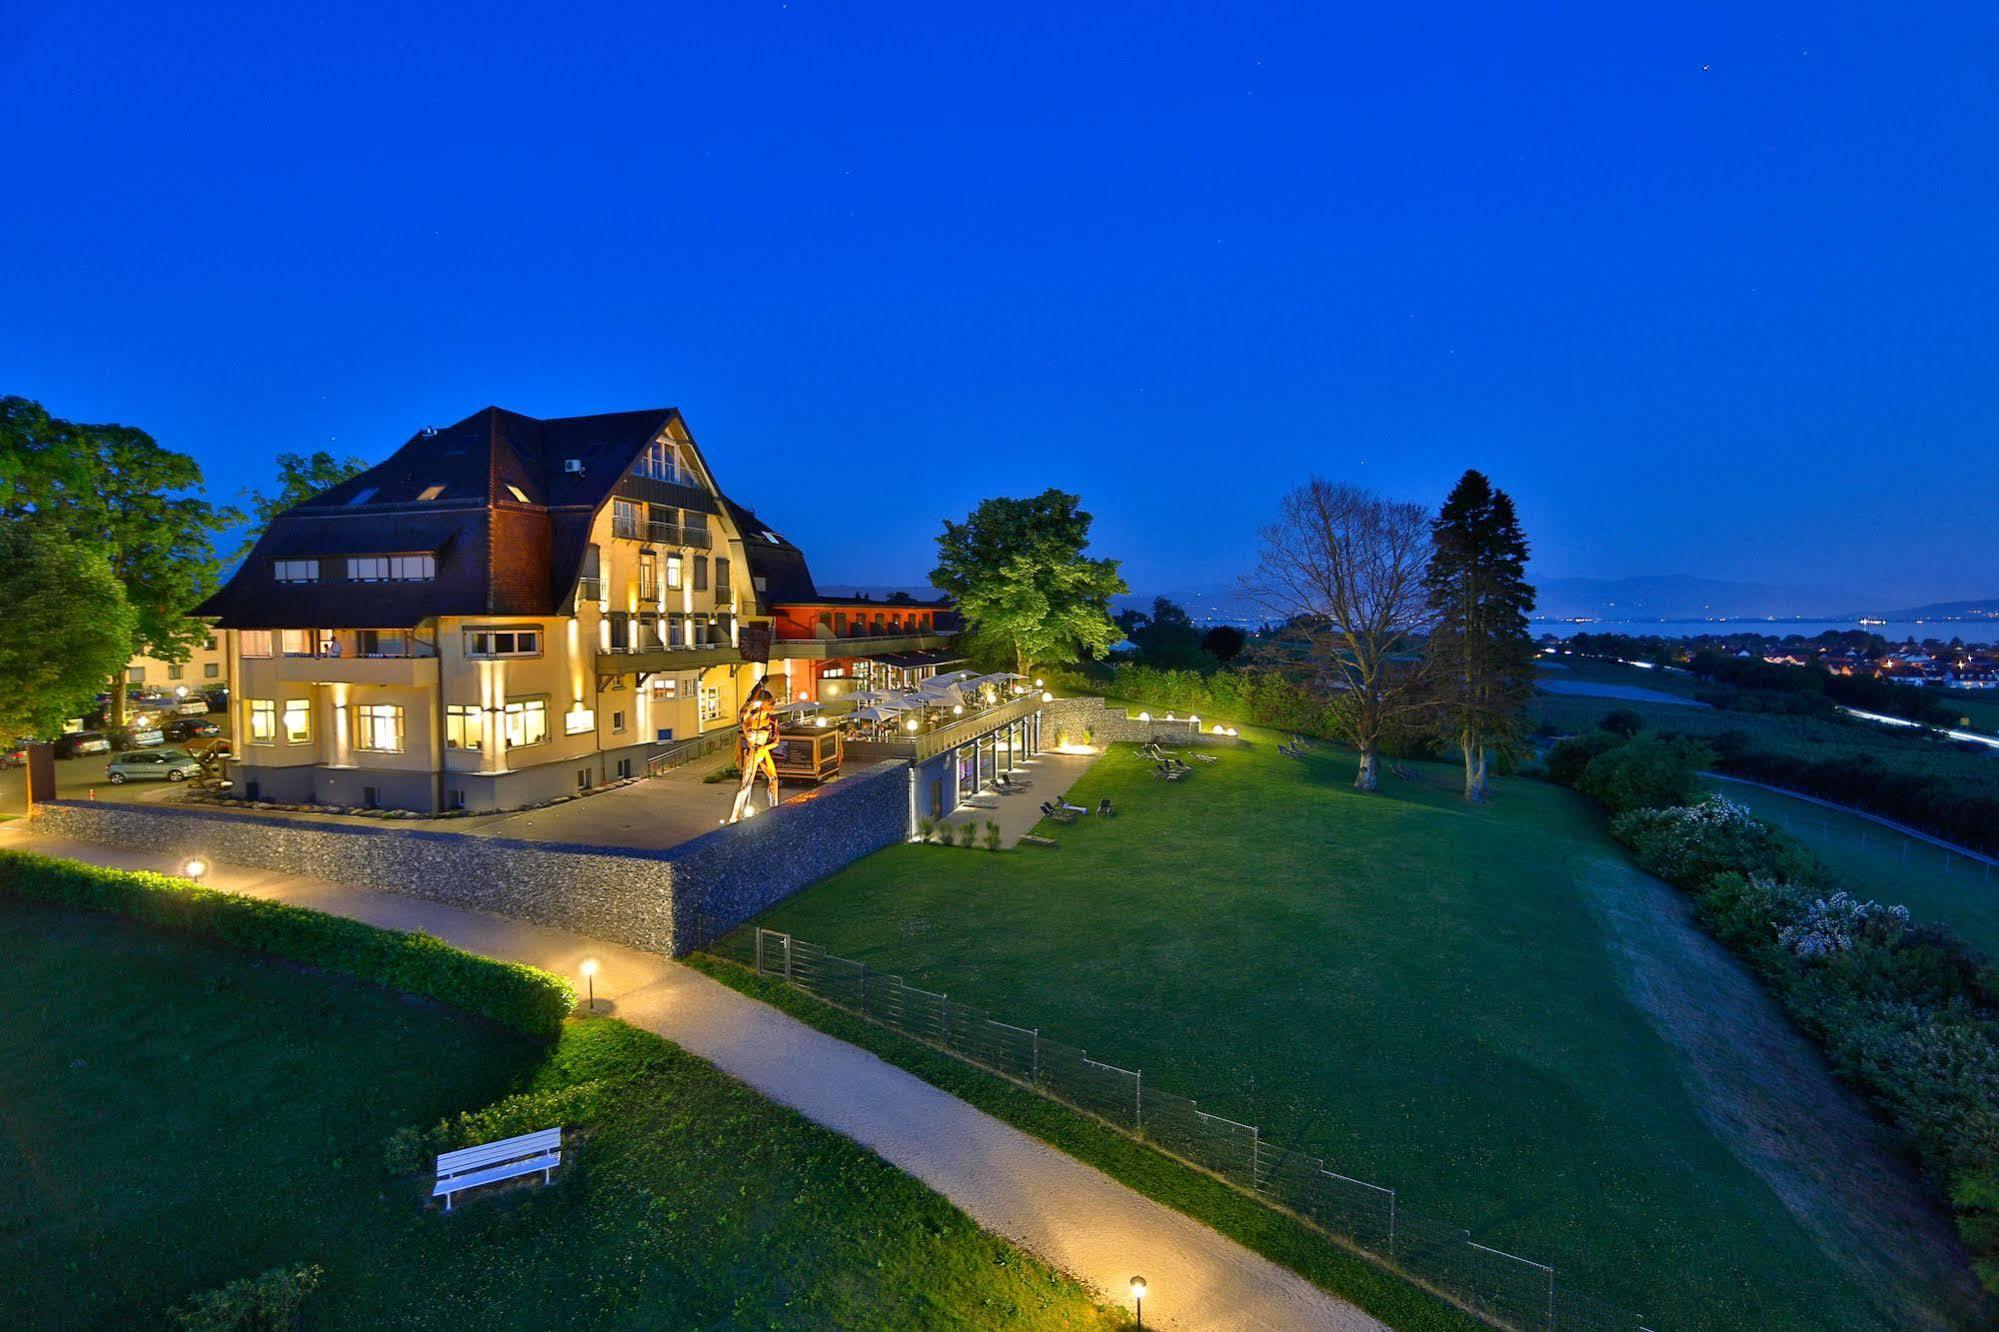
[590,979]
[1138,1299]
[195,868]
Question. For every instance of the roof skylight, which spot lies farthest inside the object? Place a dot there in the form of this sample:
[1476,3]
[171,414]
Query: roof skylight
[363,495]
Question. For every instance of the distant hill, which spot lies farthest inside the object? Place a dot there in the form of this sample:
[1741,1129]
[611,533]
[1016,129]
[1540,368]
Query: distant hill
[1984,609]
[1683,597]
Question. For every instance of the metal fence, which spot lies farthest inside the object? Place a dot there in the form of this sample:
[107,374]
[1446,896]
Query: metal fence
[1501,1287]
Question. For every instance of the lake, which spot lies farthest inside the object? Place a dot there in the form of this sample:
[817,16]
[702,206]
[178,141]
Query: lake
[1895,631]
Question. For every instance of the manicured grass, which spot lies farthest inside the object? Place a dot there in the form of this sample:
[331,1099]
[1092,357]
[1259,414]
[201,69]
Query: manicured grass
[1871,861]
[179,1115]
[1970,768]
[1419,990]
[1980,708]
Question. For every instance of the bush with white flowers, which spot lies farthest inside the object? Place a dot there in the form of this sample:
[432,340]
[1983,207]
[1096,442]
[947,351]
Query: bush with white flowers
[1833,924]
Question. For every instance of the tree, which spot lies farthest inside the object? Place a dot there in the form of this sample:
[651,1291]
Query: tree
[1022,583]
[1224,642]
[1166,638]
[1479,645]
[1344,569]
[69,627]
[300,477]
[114,488]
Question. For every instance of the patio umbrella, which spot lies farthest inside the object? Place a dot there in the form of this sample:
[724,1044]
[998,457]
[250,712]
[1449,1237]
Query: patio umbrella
[951,677]
[873,714]
[804,707]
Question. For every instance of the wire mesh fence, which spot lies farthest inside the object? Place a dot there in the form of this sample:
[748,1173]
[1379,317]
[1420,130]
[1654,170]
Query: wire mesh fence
[1504,1288]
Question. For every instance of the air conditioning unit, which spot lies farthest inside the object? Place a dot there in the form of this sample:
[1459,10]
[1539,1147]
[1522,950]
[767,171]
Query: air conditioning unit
[573,466]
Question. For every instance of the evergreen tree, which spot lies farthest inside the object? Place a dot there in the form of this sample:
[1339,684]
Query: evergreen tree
[1480,650]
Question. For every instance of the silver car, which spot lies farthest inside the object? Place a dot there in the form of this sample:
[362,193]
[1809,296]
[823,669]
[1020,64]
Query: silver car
[152,765]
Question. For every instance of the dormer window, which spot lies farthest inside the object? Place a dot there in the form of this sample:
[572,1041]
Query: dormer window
[517,493]
[295,571]
[363,495]
[430,492]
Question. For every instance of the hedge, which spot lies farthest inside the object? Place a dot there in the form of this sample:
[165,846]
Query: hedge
[1919,800]
[1905,1011]
[523,997]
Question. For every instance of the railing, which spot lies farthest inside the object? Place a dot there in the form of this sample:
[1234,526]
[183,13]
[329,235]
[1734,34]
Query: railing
[393,645]
[679,534]
[931,743]
[686,751]
[1502,1288]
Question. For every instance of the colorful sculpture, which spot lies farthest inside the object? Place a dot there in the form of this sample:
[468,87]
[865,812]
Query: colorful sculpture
[756,748]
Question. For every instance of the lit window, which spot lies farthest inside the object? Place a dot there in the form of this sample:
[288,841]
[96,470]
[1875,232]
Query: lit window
[412,568]
[617,721]
[263,721]
[578,720]
[665,687]
[673,573]
[210,644]
[298,720]
[626,519]
[464,727]
[367,568]
[648,576]
[254,642]
[517,493]
[378,727]
[296,642]
[503,642]
[711,703]
[430,492]
[295,571]
[363,495]
[662,462]
[524,721]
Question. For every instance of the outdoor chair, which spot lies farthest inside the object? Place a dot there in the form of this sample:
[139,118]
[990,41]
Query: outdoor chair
[1104,810]
[1061,814]
[1204,758]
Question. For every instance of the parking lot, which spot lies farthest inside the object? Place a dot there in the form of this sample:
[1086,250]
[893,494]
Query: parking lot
[84,777]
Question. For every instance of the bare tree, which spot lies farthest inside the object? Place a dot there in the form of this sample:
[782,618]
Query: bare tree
[1345,567]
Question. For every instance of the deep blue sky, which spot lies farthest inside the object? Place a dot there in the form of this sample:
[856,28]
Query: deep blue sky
[1709,291]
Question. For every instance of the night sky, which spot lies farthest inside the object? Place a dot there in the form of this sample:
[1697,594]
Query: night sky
[1710,292]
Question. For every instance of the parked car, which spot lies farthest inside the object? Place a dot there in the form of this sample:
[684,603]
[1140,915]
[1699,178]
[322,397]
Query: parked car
[76,743]
[15,755]
[191,728]
[145,737]
[152,765]
[192,706]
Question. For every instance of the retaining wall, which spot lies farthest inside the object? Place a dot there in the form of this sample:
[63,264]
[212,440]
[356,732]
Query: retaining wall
[656,900]
[1113,725]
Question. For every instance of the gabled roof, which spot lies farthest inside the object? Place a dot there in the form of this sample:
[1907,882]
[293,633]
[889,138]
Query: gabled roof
[496,552]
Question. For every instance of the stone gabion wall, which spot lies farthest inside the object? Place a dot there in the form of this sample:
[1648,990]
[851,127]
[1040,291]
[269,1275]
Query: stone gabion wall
[731,874]
[623,896]
[656,900]
[1111,725]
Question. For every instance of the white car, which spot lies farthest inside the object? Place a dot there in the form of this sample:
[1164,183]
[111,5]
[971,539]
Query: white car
[192,707]
[147,736]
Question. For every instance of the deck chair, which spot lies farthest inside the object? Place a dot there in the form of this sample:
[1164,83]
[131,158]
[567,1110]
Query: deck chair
[1104,810]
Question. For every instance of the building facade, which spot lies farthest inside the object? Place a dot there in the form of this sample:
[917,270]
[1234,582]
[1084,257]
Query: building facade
[205,670]
[506,610]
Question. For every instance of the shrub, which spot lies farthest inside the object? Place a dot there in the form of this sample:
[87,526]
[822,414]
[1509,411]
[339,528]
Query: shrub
[1622,721]
[1834,924]
[1690,844]
[1648,772]
[267,1302]
[926,828]
[968,833]
[992,835]
[523,997]
[1567,760]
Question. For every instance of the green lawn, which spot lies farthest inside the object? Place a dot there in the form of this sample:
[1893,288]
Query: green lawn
[1978,708]
[178,1115]
[1880,863]
[1420,990]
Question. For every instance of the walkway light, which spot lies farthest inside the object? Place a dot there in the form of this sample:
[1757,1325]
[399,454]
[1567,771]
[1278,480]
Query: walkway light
[957,709]
[1047,697]
[1145,716]
[909,726]
[1138,1298]
[195,868]
[590,978]
[1037,684]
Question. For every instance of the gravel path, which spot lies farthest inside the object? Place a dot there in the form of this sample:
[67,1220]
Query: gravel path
[1067,1213]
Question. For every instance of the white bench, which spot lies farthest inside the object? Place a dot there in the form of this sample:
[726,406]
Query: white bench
[495,1161]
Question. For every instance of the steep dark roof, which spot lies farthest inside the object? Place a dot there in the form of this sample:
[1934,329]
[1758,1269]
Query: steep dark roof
[496,554]
[779,563]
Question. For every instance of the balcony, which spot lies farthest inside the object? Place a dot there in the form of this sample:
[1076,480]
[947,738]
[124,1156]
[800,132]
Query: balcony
[362,656]
[678,534]
[864,645]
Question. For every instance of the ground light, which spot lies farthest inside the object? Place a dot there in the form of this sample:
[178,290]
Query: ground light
[195,868]
[590,979]
[1138,1299]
